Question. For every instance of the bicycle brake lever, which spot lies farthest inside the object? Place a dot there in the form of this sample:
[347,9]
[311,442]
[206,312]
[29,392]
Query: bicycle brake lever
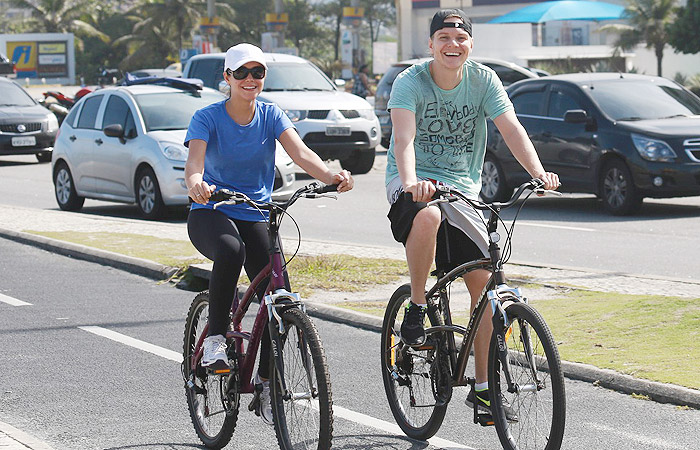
[542,192]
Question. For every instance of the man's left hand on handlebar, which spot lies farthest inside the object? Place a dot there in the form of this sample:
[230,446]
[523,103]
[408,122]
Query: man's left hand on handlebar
[344,181]
[551,180]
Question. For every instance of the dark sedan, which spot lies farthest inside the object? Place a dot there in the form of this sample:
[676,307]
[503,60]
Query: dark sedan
[621,137]
[26,127]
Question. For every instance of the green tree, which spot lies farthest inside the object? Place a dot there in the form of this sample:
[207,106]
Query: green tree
[62,16]
[250,18]
[161,26]
[684,32]
[648,22]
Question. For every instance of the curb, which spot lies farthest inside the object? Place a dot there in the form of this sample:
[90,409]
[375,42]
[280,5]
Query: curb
[138,266]
[660,392]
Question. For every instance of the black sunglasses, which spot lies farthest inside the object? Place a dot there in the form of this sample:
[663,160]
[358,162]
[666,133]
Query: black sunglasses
[241,73]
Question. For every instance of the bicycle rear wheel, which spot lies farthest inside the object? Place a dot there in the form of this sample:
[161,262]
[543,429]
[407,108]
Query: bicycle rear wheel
[212,400]
[303,414]
[535,368]
[416,380]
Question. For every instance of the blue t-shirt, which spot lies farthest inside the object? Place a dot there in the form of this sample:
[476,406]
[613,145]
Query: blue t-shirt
[239,157]
[450,139]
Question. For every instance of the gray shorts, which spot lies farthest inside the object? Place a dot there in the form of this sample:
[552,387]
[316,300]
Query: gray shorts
[462,236]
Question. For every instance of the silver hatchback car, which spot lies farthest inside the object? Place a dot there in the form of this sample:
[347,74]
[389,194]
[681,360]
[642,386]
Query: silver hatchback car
[124,144]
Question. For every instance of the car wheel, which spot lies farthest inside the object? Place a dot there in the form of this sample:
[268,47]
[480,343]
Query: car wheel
[617,189]
[44,157]
[359,162]
[148,196]
[493,182]
[64,188]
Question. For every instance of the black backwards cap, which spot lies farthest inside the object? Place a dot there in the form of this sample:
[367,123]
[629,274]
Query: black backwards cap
[438,22]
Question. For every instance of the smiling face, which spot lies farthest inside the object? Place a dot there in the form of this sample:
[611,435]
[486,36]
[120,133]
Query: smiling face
[451,46]
[249,87]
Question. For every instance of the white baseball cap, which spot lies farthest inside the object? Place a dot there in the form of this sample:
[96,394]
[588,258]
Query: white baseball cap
[240,54]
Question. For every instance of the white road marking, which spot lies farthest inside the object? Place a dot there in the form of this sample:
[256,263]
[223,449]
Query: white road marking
[338,411]
[12,438]
[646,442]
[13,301]
[559,227]
[136,343]
[362,419]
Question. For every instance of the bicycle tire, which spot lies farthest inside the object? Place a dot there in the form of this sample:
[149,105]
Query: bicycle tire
[409,380]
[302,420]
[541,404]
[218,393]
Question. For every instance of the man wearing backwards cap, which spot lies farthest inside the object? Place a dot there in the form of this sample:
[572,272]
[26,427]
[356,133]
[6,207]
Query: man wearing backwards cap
[439,110]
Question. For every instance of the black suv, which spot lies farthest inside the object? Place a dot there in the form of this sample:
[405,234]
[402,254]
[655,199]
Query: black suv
[26,127]
[621,137]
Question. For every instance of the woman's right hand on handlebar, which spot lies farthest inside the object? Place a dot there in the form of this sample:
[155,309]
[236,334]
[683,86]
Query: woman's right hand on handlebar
[422,191]
[201,191]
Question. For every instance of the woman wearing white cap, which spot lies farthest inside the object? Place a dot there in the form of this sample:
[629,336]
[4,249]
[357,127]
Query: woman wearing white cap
[232,145]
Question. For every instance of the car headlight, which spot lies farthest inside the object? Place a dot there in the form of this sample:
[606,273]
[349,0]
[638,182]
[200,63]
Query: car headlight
[366,113]
[53,123]
[295,115]
[175,152]
[653,149]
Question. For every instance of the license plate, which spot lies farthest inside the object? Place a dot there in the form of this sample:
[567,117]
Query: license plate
[23,141]
[337,131]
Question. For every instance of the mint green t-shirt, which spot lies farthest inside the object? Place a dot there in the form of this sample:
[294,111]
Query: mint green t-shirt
[450,137]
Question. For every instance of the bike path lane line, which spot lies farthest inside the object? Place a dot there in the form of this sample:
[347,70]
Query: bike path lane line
[13,439]
[13,301]
[338,411]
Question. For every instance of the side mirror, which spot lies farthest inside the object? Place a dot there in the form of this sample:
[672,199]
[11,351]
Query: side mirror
[576,116]
[115,130]
[340,82]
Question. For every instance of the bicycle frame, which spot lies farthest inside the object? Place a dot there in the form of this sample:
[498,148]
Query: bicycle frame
[277,288]
[495,293]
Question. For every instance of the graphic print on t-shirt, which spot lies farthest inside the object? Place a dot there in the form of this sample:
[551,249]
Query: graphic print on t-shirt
[446,137]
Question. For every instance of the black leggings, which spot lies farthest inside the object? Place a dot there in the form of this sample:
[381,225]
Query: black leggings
[231,244]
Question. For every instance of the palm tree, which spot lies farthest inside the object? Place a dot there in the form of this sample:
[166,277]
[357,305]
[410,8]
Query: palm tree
[648,22]
[61,16]
[178,18]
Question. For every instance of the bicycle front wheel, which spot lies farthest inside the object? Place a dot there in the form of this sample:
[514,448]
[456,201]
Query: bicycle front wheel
[416,380]
[536,397]
[212,400]
[303,414]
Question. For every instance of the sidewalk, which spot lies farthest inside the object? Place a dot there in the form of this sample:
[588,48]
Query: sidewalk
[17,221]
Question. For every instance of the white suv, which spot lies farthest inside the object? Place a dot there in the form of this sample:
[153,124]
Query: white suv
[333,123]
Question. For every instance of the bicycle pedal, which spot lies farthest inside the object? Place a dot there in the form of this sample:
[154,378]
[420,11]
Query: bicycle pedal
[226,371]
[485,420]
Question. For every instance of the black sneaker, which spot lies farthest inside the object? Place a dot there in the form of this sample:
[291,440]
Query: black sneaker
[483,404]
[412,332]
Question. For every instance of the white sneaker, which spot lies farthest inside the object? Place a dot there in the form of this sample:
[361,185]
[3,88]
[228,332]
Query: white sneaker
[215,352]
[265,404]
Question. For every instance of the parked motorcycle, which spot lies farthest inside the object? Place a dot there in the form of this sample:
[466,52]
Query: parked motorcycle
[60,104]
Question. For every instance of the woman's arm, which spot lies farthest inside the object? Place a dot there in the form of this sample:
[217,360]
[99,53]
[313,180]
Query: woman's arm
[521,147]
[404,132]
[310,162]
[198,189]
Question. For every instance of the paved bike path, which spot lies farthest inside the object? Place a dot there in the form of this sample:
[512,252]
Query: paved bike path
[17,222]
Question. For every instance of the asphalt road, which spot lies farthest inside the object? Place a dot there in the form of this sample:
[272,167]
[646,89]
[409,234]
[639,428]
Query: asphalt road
[66,384]
[570,231]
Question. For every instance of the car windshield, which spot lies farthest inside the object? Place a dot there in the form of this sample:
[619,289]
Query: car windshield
[173,110]
[295,77]
[643,100]
[13,95]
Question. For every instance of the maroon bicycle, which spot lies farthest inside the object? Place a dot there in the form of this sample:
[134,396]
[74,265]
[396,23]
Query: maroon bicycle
[300,387]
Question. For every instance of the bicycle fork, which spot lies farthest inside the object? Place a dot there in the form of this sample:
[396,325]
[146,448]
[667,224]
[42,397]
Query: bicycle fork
[283,299]
[503,327]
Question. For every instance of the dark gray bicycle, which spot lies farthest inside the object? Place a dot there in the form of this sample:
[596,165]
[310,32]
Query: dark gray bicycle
[524,369]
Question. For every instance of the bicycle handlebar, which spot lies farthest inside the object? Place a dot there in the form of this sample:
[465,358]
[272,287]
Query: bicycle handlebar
[312,190]
[448,195]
